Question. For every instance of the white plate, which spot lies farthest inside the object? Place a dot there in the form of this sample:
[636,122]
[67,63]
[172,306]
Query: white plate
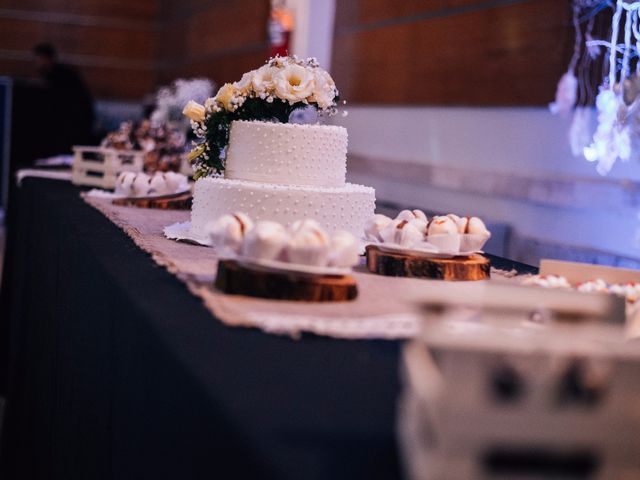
[153,196]
[276,265]
[99,193]
[425,249]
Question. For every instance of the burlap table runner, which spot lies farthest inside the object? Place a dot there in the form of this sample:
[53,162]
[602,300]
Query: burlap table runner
[380,311]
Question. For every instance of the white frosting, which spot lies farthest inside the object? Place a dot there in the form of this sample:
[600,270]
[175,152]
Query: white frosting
[345,250]
[265,241]
[287,153]
[342,208]
[374,225]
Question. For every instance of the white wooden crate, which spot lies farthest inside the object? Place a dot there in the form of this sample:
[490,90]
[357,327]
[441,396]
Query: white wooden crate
[100,167]
[491,391]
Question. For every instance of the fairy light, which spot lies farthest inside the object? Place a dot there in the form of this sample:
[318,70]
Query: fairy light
[618,99]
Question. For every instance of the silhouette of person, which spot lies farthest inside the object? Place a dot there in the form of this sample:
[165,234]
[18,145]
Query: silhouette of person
[70,100]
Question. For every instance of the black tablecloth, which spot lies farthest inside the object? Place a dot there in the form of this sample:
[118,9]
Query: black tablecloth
[116,371]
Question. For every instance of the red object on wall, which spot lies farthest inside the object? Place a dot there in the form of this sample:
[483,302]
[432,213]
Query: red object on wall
[280,28]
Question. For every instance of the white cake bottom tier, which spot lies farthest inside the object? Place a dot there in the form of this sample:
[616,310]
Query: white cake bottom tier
[338,208]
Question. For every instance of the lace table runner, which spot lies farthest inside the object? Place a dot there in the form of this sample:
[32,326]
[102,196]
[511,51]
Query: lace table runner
[382,309]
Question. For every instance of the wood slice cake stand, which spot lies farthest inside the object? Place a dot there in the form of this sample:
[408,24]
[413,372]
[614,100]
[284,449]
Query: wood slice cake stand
[475,267]
[237,279]
[181,201]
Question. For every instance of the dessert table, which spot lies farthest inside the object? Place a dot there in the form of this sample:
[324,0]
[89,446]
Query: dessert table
[113,370]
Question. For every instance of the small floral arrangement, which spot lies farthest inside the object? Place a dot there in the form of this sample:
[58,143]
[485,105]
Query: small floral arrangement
[270,93]
[170,100]
[163,145]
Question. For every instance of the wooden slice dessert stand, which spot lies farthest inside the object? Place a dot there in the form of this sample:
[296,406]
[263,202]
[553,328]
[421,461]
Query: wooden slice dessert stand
[237,279]
[475,267]
[181,201]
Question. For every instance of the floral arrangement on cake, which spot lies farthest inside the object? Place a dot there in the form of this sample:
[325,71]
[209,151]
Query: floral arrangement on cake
[270,93]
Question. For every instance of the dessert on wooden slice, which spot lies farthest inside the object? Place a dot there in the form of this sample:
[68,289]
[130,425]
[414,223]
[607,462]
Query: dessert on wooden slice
[445,247]
[180,201]
[474,267]
[166,191]
[236,279]
[267,260]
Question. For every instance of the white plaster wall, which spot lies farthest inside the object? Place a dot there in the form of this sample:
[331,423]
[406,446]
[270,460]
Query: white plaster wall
[524,141]
[313,34]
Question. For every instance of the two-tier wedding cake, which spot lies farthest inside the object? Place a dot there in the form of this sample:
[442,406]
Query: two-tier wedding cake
[273,170]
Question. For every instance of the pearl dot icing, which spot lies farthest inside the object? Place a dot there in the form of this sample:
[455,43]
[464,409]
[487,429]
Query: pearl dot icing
[283,173]
[292,154]
[336,208]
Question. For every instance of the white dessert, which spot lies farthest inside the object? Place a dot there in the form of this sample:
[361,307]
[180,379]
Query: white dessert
[374,225]
[593,286]
[265,241]
[140,184]
[401,232]
[442,226]
[410,215]
[305,243]
[345,250]
[548,281]
[309,245]
[229,231]
[124,182]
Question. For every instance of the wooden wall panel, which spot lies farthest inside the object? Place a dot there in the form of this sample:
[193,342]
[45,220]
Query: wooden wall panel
[458,52]
[220,40]
[117,9]
[112,42]
[359,14]
[126,48]
[116,43]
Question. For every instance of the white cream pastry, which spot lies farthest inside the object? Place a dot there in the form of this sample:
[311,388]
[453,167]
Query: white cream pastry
[412,215]
[265,241]
[401,232]
[374,225]
[461,223]
[345,250]
[176,182]
[594,286]
[229,231]
[141,186]
[158,185]
[470,225]
[124,182]
[548,281]
[475,226]
[442,226]
[420,224]
[456,219]
[308,244]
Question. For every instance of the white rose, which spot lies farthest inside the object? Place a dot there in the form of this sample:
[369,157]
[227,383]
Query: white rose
[324,91]
[294,83]
[245,83]
[262,79]
[194,111]
[226,95]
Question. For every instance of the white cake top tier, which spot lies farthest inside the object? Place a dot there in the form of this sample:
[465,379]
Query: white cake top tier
[287,153]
